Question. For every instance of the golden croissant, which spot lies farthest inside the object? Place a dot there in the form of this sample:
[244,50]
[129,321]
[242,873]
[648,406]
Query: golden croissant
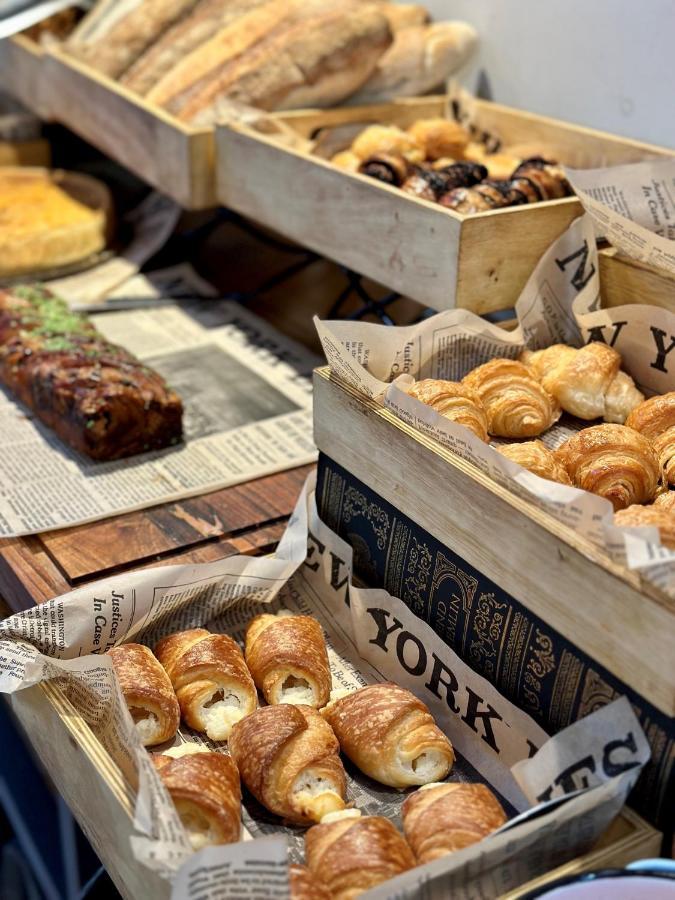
[516,404]
[655,419]
[287,657]
[656,516]
[614,462]
[288,758]
[304,885]
[390,735]
[206,793]
[666,501]
[208,673]
[356,853]
[453,401]
[536,457]
[441,818]
[586,382]
[147,691]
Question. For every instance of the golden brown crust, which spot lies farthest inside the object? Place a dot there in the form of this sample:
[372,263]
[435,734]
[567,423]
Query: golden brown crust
[655,419]
[439,137]
[286,650]
[206,669]
[614,462]
[353,855]
[305,885]
[586,382]
[448,817]
[453,401]
[390,735]
[388,140]
[666,501]
[147,691]
[660,517]
[288,758]
[536,457]
[515,402]
[205,790]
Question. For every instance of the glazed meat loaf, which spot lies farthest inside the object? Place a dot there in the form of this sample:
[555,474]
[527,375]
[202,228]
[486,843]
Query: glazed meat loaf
[97,397]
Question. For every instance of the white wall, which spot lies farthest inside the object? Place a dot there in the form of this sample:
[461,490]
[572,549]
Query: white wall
[608,64]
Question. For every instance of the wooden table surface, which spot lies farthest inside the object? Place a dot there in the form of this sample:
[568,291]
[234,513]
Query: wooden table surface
[247,518]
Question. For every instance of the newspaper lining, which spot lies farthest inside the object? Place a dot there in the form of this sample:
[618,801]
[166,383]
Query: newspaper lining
[559,304]
[372,637]
[246,390]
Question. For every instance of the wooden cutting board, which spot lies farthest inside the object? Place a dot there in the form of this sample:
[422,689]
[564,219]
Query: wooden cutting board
[247,518]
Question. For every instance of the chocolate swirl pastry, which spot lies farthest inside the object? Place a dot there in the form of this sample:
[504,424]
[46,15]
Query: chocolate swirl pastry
[97,397]
[546,178]
[386,167]
[431,184]
[483,197]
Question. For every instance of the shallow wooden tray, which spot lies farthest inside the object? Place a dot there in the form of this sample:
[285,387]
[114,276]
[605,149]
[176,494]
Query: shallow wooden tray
[21,63]
[434,255]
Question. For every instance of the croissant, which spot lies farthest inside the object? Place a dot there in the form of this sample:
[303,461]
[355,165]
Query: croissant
[613,461]
[390,735]
[666,501]
[288,758]
[515,403]
[354,854]
[537,458]
[441,818]
[208,673]
[147,691]
[206,793]
[439,137]
[655,419]
[588,382]
[660,517]
[305,885]
[453,401]
[287,657]
[390,139]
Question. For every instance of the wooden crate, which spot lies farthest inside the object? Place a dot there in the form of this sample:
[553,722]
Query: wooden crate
[102,800]
[176,159]
[434,255]
[21,62]
[624,280]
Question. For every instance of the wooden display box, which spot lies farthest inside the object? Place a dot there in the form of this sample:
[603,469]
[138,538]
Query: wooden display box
[436,256]
[21,66]
[540,611]
[102,800]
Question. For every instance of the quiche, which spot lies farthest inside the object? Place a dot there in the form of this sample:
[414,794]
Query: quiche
[49,219]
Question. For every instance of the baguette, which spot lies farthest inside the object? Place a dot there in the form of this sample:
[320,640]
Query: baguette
[313,61]
[419,60]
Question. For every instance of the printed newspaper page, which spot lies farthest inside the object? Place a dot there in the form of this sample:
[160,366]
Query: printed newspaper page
[371,637]
[247,397]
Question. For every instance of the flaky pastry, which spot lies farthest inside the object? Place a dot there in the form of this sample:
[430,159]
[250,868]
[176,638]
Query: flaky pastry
[536,457]
[454,401]
[147,691]
[439,137]
[305,885]
[613,461]
[388,139]
[390,735]
[656,516]
[655,419]
[208,673]
[516,403]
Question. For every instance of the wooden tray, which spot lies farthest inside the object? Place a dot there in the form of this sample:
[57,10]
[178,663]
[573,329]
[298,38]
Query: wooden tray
[434,255]
[21,63]
[607,611]
[102,800]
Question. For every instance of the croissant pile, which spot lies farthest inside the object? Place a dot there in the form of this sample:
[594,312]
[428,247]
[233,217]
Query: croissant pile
[288,753]
[435,159]
[629,459]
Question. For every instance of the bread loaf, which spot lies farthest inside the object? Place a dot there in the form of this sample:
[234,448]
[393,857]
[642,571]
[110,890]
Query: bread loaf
[419,60]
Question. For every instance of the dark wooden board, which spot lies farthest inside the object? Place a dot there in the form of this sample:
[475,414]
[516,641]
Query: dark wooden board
[246,518]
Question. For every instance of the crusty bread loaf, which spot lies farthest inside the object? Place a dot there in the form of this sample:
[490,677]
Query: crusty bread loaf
[420,59]
[206,19]
[312,55]
[119,46]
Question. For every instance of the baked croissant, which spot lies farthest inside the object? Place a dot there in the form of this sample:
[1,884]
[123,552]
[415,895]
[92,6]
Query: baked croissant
[655,419]
[666,501]
[206,793]
[516,404]
[613,461]
[288,758]
[587,382]
[208,673]
[378,139]
[657,516]
[453,401]
[287,657]
[441,818]
[305,885]
[390,735]
[439,137]
[147,691]
[355,853]
[536,457]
